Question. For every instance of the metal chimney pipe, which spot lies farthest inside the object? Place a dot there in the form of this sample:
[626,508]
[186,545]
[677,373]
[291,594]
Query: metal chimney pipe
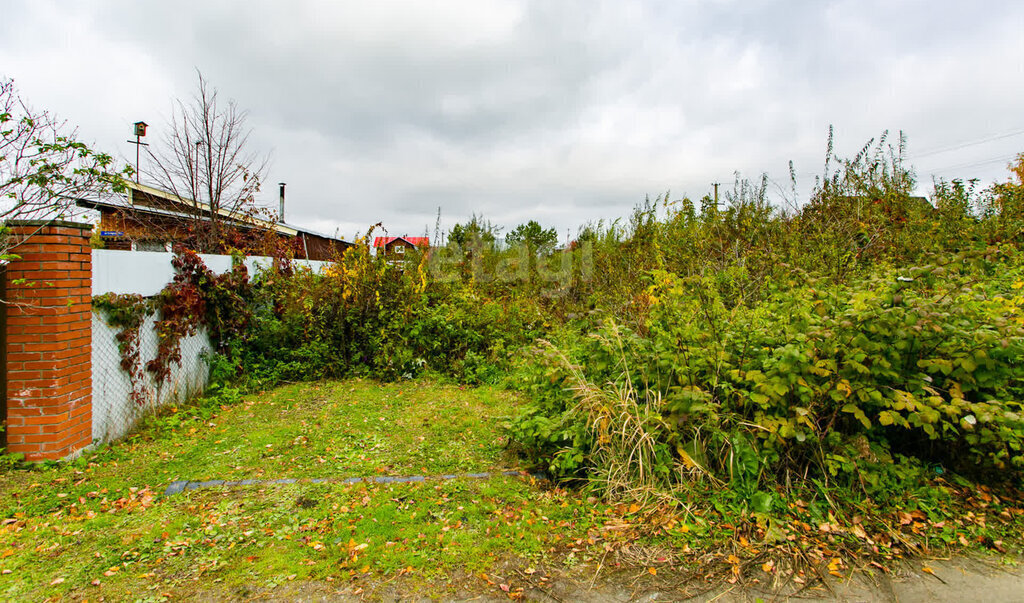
[280,213]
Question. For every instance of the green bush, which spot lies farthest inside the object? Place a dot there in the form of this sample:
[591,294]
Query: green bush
[817,379]
[366,316]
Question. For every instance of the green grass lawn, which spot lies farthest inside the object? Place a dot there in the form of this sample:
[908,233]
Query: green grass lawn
[101,526]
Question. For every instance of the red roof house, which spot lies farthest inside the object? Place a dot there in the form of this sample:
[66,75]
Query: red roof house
[397,246]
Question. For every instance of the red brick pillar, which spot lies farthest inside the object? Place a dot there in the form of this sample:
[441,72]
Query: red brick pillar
[48,340]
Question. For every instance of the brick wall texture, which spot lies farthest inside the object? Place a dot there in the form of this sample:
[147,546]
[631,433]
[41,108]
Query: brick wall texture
[48,342]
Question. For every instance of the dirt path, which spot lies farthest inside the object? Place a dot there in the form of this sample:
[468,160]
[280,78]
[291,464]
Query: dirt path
[962,579]
[955,580]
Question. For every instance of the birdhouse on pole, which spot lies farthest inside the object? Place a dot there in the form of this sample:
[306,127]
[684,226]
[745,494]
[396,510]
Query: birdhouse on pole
[140,131]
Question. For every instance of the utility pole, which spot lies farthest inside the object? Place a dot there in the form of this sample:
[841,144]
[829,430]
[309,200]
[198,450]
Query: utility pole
[715,184]
[195,177]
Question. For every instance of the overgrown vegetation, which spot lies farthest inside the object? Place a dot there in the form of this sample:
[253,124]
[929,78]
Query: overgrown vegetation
[841,377]
[813,341]
[864,345]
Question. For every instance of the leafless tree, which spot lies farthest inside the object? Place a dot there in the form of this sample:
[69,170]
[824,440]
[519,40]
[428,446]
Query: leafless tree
[43,167]
[207,163]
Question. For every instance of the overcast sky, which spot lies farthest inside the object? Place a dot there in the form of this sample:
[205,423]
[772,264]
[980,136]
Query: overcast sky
[558,111]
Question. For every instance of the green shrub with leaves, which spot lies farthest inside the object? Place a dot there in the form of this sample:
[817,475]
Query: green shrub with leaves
[366,315]
[817,380]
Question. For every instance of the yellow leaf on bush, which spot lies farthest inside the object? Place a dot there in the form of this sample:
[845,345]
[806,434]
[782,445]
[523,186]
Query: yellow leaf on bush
[687,461]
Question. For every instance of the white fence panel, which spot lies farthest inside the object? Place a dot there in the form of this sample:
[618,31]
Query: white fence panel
[146,272]
[253,263]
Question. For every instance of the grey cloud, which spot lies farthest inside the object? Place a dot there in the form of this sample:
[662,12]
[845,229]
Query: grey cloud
[565,111]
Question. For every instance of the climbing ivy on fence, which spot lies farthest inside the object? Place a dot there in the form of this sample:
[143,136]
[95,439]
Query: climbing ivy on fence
[195,298]
[126,312]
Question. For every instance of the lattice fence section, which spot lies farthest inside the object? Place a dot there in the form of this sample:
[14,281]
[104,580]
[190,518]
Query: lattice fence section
[114,413]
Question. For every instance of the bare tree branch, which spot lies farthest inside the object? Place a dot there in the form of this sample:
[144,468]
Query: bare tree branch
[207,163]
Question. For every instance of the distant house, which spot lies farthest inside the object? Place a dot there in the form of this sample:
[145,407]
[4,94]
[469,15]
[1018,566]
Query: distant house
[397,247]
[150,219]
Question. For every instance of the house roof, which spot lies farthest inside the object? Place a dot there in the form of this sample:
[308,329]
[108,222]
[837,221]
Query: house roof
[414,241]
[126,203]
[187,204]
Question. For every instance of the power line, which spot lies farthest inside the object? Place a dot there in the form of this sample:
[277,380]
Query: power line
[973,164]
[970,143]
